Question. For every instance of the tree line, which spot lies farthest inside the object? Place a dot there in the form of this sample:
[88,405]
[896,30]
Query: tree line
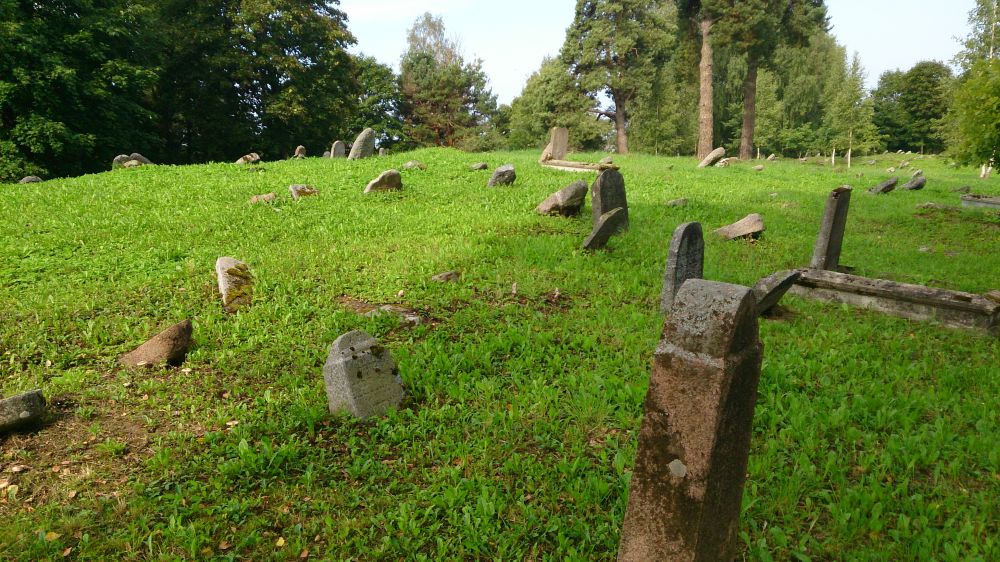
[186,82]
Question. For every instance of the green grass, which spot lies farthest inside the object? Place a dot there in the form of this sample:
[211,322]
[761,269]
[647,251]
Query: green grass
[875,438]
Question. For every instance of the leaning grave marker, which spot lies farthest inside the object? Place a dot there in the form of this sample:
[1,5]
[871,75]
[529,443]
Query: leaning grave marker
[686,260]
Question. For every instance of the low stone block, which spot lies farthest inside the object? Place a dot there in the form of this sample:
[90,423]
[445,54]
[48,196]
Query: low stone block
[299,191]
[567,202]
[750,226]
[884,187]
[361,377]
[414,165]
[447,277]
[479,166]
[915,184]
[504,175]
[169,347]
[235,283]
[251,158]
[265,198]
[21,410]
[607,226]
[389,180]
[30,179]
[682,202]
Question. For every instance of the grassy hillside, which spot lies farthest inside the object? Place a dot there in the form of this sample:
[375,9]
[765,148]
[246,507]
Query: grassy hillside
[875,438]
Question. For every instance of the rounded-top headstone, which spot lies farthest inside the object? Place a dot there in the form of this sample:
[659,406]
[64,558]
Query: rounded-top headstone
[607,194]
[364,145]
[361,377]
[685,260]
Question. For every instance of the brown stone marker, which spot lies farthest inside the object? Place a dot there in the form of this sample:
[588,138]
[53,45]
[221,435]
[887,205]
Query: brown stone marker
[826,253]
[687,483]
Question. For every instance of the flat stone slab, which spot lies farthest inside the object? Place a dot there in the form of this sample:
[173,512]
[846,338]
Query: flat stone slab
[414,165]
[769,290]
[169,347]
[235,283]
[954,309]
[749,226]
[265,198]
[479,166]
[21,410]
[504,175]
[251,158]
[884,187]
[682,202]
[685,260]
[299,191]
[364,145]
[361,377]
[983,201]
[607,226]
[915,184]
[447,277]
[389,180]
[570,166]
[758,168]
[30,179]
[713,157]
[567,202]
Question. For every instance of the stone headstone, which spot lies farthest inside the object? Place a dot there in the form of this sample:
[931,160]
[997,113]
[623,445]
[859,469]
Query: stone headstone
[251,158]
[504,175]
[300,151]
[607,194]
[713,157]
[120,160]
[559,140]
[338,150]
[327,154]
[21,410]
[382,152]
[361,377]
[567,202]
[826,252]
[606,226]
[389,180]
[685,260]
[749,226]
[758,168]
[235,283]
[30,179]
[139,158]
[772,158]
[479,166]
[446,277]
[770,289]
[884,187]
[168,347]
[694,442]
[915,184]
[406,316]
[265,198]
[414,165]
[917,173]
[300,190]
[364,145]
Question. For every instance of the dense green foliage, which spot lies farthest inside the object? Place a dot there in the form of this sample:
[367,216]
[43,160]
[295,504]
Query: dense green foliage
[976,114]
[910,107]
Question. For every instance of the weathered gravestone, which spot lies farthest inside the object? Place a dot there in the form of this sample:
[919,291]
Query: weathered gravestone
[327,154]
[769,290]
[712,157]
[338,150]
[884,187]
[682,202]
[21,410]
[686,260]
[826,252]
[567,202]
[383,152]
[30,179]
[251,158]
[607,194]
[749,226]
[364,145]
[361,377]
[504,175]
[300,152]
[389,180]
[607,225]
[235,283]
[758,168]
[479,166]
[558,146]
[414,165]
[915,184]
[690,466]
[168,347]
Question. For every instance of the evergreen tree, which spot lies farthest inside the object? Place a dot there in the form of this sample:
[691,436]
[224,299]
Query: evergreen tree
[850,127]
[379,102]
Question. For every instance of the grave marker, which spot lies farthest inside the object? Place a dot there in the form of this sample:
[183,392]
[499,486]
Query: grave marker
[686,260]
[826,253]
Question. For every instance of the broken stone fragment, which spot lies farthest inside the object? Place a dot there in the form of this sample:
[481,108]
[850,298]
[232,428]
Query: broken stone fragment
[265,198]
[406,316]
[21,410]
[168,347]
[300,190]
[749,226]
[884,187]
[361,377]
[712,157]
[235,283]
[414,165]
[389,180]
[606,226]
[915,184]
[504,175]
[447,277]
[770,289]
[567,202]
[30,179]
[479,166]
[251,158]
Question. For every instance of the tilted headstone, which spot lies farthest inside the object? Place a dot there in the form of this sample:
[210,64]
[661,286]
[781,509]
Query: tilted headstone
[251,158]
[826,252]
[607,225]
[301,190]
[30,179]
[338,150]
[567,202]
[915,184]
[235,283]
[884,187]
[168,347]
[690,466]
[361,377]
[712,157]
[20,410]
[364,145]
[504,175]
[389,180]
[685,260]
[300,151]
[479,166]
[607,194]
[770,289]
[749,226]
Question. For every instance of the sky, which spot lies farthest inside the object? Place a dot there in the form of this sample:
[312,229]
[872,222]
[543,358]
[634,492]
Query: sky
[513,36]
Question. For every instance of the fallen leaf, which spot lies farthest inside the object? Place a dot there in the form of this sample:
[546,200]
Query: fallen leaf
[71,494]
[56,468]
[4,484]
[280,542]
[18,468]
[304,554]
[224,545]
[51,536]
[186,370]
[66,552]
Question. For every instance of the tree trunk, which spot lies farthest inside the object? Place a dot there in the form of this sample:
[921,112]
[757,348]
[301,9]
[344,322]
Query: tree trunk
[749,109]
[621,136]
[705,95]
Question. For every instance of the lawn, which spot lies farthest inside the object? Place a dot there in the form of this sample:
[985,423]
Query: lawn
[875,438]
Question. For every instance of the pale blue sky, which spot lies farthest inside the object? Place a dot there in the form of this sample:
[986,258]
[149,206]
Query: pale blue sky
[512,36]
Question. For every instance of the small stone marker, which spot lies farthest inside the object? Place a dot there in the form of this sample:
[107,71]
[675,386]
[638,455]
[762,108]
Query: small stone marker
[407,316]
[300,152]
[447,277]
[132,164]
[891,170]
[479,166]
[694,443]
[567,202]
[338,150]
[559,141]
[30,179]
[608,161]
[770,289]
[265,198]
[300,190]
[915,184]
[364,145]
[327,154]
[758,168]
[504,175]
[21,410]
[383,152]
[826,252]
[235,283]
[361,377]
[119,161]
[749,226]
[713,157]
[682,202]
[606,226]
[414,165]
[917,173]
[772,157]
[884,187]
[389,180]
[251,158]
[607,194]
[685,260]
[169,346]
